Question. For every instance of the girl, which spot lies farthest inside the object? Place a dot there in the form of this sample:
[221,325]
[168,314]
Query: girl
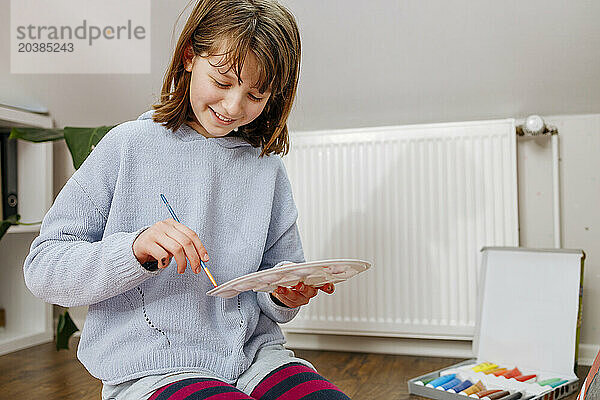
[211,146]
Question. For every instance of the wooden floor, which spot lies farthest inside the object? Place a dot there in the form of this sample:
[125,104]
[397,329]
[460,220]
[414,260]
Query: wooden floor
[43,373]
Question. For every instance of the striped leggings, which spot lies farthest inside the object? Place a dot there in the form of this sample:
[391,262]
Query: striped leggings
[292,381]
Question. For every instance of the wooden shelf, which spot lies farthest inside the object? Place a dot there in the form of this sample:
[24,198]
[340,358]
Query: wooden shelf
[14,117]
[24,229]
[28,319]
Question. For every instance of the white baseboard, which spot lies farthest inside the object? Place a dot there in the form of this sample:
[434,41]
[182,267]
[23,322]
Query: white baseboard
[385,345]
[415,347]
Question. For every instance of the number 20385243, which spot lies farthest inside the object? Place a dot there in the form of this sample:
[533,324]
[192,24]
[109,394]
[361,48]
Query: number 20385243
[27,47]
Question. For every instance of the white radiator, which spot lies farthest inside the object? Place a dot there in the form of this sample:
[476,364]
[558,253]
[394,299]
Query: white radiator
[417,201]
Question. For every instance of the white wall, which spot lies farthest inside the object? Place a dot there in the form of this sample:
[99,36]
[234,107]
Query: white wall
[392,62]
[433,61]
[579,137]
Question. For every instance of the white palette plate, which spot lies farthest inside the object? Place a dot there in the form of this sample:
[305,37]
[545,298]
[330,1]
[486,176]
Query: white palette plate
[314,273]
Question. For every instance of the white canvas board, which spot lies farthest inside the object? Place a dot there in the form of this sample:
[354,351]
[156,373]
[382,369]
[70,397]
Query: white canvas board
[528,309]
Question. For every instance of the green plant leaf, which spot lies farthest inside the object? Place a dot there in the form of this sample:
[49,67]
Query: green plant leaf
[4,225]
[36,134]
[82,140]
[64,330]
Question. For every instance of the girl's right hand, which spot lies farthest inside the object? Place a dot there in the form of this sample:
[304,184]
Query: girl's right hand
[169,238]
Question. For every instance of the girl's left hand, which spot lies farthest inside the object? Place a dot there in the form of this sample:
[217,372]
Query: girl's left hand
[300,294]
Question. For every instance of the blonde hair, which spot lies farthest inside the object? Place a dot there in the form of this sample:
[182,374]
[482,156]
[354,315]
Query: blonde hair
[232,28]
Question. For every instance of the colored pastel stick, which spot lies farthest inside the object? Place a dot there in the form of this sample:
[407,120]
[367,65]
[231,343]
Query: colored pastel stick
[491,371]
[548,381]
[488,368]
[499,371]
[484,393]
[451,384]
[497,395]
[478,387]
[525,378]
[511,373]
[555,384]
[459,388]
[441,380]
[479,367]
[483,367]
[424,382]
[514,396]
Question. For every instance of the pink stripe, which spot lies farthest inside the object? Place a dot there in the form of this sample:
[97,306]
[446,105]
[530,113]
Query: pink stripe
[230,396]
[297,392]
[195,387]
[159,391]
[277,377]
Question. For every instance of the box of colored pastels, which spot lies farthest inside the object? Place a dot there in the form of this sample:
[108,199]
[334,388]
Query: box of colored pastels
[526,334]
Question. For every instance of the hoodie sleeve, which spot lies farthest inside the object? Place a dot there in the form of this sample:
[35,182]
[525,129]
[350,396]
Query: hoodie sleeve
[283,243]
[71,262]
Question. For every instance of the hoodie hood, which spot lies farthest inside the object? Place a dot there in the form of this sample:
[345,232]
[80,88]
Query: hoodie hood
[187,133]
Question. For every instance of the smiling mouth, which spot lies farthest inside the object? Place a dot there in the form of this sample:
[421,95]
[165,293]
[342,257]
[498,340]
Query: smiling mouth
[221,118]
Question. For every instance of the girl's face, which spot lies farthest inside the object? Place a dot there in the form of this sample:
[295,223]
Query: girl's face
[220,103]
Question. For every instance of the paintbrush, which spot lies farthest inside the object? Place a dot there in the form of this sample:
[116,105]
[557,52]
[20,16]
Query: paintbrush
[153,265]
